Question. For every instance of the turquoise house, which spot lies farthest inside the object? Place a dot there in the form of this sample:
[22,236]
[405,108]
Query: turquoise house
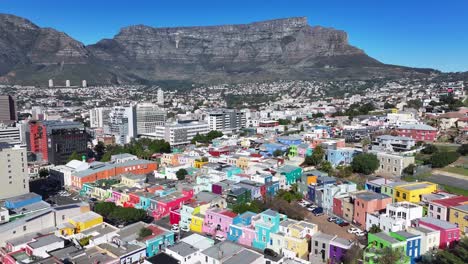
[292,173]
[231,170]
[266,223]
[145,200]
[240,221]
[159,240]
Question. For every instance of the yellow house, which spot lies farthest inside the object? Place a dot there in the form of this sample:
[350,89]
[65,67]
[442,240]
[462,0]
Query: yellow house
[197,222]
[80,222]
[245,143]
[298,246]
[296,240]
[243,162]
[199,163]
[412,192]
[459,215]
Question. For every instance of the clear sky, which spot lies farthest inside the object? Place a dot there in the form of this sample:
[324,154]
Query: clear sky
[419,33]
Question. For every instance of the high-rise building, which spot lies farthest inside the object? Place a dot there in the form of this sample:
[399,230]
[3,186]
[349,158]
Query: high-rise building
[226,120]
[11,135]
[7,109]
[148,117]
[51,83]
[13,170]
[122,124]
[55,141]
[160,97]
[99,117]
[67,83]
[84,84]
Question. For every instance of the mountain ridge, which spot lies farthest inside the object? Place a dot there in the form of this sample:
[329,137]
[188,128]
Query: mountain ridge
[287,48]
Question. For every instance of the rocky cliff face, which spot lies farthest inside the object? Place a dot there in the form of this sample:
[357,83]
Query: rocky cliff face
[283,48]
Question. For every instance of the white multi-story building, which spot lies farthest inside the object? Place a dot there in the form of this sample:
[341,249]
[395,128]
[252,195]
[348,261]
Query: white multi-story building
[148,117]
[179,133]
[10,135]
[99,117]
[398,217]
[160,98]
[430,238]
[13,170]
[392,164]
[226,120]
[122,124]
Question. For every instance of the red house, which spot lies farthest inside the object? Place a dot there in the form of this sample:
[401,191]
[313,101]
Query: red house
[337,207]
[449,233]
[418,132]
[174,217]
[171,202]
[132,201]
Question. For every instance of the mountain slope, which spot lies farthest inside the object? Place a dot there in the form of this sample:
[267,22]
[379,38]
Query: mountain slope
[276,49]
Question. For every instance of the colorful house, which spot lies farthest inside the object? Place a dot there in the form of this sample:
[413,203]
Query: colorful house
[378,241]
[389,188]
[297,237]
[459,216]
[413,244]
[368,202]
[159,239]
[449,233]
[338,249]
[238,224]
[292,151]
[418,132]
[80,222]
[265,223]
[413,192]
[430,238]
[217,221]
[291,173]
[341,156]
[377,184]
[320,250]
[236,196]
[289,140]
[441,208]
[170,202]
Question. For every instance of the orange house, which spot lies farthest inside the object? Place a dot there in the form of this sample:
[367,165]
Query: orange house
[368,202]
[106,171]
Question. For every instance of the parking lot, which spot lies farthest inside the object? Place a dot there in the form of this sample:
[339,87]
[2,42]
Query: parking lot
[331,228]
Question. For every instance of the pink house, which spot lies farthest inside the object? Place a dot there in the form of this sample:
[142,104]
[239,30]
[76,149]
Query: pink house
[449,233]
[171,202]
[217,221]
[248,235]
[368,202]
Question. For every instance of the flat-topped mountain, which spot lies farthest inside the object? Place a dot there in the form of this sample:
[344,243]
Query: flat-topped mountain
[269,50]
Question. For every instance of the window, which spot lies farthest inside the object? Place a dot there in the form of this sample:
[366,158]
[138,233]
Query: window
[397,194]
[24,229]
[438,209]
[431,207]
[316,244]
[404,196]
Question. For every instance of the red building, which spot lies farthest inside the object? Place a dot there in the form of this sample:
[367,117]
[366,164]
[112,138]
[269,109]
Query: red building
[269,123]
[174,217]
[38,139]
[171,202]
[337,207]
[418,132]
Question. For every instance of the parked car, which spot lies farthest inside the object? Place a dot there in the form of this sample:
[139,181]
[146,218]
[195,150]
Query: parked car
[185,228]
[344,223]
[175,228]
[339,221]
[318,211]
[331,219]
[310,209]
[353,230]
[270,252]
[360,233]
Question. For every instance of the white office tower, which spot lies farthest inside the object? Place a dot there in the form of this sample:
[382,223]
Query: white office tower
[51,83]
[11,135]
[160,97]
[148,116]
[226,120]
[13,170]
[122,124]
[179,133]
[37,113]
[84,84]
[67,83]
[99,116]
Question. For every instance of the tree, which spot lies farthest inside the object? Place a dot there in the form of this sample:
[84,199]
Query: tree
[326,166]
[416,104]
[365,142]
[388,255]
[442,159]
[365,163]
[43,173]
[375,229]
[74,156]
[104,208]
[144,232]
[302,128]
[85,241]
[429,149]
[343,171]
[388,105]
[180,174]
[277,153]
[409,170]
[100,149]
[298,120]
[463,150]
[353,255]
[316,157]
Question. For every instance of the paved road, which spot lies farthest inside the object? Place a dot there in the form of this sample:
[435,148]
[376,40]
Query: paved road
[448,180]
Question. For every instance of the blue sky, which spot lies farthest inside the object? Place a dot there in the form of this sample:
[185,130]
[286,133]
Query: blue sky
[415,33]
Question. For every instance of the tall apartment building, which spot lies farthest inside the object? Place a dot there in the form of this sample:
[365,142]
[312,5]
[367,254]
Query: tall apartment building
[122,124]
[55,141]
[99,117]
[7,109]
[226,120]
[160,97]
[148,117]
[10,135]
[13,170]
[179,133]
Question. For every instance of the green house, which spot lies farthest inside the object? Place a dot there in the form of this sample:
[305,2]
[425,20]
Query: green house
[238,196]
[292,173]
[378,241]
[292,151]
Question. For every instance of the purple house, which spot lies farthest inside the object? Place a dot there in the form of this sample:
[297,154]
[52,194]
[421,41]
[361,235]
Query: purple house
[217,222]
[222,187]
[338,248]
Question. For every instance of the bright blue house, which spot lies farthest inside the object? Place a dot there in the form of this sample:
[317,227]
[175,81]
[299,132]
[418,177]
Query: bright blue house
[289,140]
[413,244]
[235,229]
[341,156]
[266,223]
